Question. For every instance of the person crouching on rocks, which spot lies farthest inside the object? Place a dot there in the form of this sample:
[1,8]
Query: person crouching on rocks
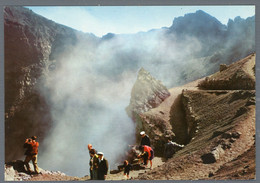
[147,150]
[102,166]
[31,153]
[94,164]
[127,168]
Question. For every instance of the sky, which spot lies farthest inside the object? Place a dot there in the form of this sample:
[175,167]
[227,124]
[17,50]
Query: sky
[101,20]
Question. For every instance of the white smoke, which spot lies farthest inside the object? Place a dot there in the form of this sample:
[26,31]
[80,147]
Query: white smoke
[86,107]
[90,88]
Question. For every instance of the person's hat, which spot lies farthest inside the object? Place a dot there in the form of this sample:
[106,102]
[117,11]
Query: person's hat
[99,153]
[142,132]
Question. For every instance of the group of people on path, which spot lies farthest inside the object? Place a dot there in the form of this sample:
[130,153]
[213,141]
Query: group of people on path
[98,164]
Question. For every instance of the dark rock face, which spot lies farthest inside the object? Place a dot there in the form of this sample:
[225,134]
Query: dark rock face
[147,93]
[31,43]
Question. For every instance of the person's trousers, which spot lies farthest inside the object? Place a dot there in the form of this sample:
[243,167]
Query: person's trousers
[28,158]
[95,174]
[91,174]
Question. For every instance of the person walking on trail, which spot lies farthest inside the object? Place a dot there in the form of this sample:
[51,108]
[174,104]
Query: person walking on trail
[170,149]
[145,140]
[102,166]
[127,168]
[149,150]
[94,164]
[91,160]
[31,153]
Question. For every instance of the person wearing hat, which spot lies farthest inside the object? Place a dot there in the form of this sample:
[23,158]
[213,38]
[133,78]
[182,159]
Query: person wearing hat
[93,164]
[102,166]
[31,153]
[145,140]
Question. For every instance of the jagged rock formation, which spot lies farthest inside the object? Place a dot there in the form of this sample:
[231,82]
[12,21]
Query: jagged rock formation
[221,130]
[147,93]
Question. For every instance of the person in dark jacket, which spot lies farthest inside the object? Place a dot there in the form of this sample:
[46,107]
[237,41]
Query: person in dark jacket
[102,166]
[170,149]
[31,153]
[127,168]
[94,162]
[145,139]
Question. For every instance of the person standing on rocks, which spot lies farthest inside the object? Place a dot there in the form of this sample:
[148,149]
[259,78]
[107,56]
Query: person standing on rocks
[93,164]
[31,153]
[170,149]
[102,166]
[145,139]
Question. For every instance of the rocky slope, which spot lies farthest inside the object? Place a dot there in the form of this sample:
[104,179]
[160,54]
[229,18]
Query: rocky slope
[220,129]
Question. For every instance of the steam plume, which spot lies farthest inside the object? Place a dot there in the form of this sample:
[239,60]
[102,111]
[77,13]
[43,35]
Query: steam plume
[90,87]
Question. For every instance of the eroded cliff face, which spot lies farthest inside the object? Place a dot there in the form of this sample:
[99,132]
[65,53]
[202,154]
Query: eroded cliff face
[32,45]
